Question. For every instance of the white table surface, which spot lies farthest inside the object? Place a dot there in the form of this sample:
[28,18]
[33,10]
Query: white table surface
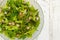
[51,31]
[56,21]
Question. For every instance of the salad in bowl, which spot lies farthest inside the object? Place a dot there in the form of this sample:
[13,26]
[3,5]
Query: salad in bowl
[20,20]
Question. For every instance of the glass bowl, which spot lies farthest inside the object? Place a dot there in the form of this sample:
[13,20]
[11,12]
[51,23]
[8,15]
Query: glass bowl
[39,29]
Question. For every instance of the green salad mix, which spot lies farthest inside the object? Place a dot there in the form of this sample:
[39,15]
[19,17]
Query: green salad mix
[18,19]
